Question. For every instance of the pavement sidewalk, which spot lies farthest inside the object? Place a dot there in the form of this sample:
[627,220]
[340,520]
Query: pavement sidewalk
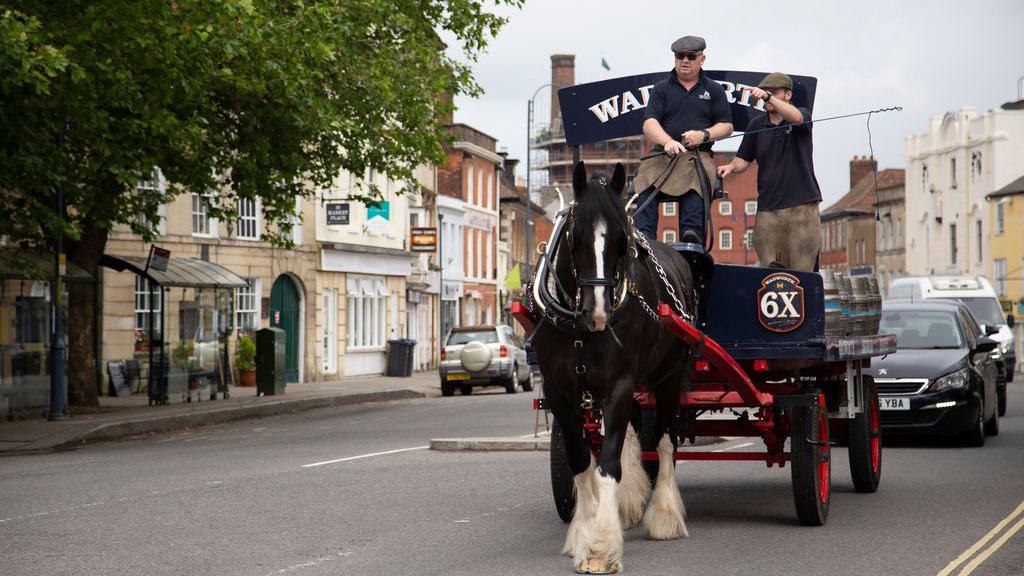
[121,417]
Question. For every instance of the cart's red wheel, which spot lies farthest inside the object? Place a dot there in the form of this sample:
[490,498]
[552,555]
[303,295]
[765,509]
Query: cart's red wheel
[866,442]
[811,458]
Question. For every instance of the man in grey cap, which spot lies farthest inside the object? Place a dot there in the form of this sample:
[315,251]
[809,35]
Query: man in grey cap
[788,225]
[685,113]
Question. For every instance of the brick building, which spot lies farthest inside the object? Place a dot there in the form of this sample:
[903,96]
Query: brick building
[848,227]
[553,157]
[469,176]
[732,218]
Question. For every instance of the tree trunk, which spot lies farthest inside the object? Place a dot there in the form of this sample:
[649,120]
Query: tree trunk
[83,321]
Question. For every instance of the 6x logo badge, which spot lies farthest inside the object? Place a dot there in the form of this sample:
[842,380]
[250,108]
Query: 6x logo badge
[780,302]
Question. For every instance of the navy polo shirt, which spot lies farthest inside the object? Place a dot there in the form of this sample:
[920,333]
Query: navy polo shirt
[785,163]
[679,110]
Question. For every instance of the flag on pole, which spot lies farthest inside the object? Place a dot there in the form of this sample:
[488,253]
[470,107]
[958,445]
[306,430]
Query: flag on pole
[604,64]
[513,281]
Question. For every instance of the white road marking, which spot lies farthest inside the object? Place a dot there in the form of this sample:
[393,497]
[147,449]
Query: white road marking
[744,445]
[122,500]
[312,563]
[361,456]
[984,540]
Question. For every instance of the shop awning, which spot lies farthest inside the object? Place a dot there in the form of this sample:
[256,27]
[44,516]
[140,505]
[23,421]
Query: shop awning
[180,272]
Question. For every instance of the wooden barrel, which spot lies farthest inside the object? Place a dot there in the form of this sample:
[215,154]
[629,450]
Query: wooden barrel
[874,306]
[860,308]
[845,305]
[833,304]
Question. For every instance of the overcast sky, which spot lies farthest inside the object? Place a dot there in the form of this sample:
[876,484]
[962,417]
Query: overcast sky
[929,57]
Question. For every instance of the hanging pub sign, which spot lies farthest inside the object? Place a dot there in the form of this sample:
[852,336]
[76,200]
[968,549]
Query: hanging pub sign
[423,239]
[158,258]
[337,213]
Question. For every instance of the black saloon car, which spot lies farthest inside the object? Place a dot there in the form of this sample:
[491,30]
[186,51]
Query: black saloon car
[942,379]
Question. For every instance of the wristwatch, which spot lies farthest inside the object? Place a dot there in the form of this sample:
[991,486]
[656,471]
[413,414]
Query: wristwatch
[707,135]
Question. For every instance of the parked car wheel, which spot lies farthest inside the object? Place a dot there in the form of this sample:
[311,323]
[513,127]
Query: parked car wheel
[447,389]
[527,384]
[1001,397]
[513,380]
[465,389]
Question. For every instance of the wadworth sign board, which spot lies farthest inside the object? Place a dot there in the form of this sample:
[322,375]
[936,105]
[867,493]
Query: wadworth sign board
[615,108]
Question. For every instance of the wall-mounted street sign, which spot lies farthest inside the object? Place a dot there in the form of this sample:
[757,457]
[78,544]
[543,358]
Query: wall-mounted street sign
[337,213]
[158,258]
[423,240]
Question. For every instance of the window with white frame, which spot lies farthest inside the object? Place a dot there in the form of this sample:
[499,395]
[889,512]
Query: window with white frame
[725,207]
[202,224]
[748,239]
[488,201]
[142,306]
[725,239]
[479,186]
[750,207]
[151,187]
[330,320]
[668,236]
[248,218]
[668,208]
[479,248]
[470,181]
[470,251]
[1000,218]
[366,314]
[247,305]
[489,272]
[999,271]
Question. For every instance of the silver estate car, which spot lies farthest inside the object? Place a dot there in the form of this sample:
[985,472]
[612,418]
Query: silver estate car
[483,356]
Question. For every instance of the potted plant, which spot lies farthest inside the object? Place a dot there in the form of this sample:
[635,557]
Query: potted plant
[245,361]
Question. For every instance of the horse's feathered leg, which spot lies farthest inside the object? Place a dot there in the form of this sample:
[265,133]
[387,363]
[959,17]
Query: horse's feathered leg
[635,486]
[602,552]
[665,515]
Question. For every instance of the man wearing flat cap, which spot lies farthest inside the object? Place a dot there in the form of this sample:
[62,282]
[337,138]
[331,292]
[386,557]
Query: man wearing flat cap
[788,224]
[685,113]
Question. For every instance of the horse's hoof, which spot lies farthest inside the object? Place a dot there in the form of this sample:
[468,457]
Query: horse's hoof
[599,566]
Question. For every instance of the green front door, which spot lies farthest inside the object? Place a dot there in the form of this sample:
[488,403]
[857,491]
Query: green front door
[284,314]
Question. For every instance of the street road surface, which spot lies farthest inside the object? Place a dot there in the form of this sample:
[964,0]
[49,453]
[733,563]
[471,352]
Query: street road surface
[353,490]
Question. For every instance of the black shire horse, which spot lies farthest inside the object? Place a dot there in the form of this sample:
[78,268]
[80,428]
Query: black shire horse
[598,355]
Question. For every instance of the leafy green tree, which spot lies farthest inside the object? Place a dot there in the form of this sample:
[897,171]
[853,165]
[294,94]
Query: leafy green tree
[251,98]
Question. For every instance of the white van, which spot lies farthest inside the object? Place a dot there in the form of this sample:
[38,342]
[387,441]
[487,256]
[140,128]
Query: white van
[978,296]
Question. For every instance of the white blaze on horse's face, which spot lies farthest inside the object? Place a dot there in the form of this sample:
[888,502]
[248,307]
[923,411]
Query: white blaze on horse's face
[600,316]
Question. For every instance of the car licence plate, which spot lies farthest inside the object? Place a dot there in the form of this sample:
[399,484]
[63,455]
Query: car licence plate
[458,376]
[891,403]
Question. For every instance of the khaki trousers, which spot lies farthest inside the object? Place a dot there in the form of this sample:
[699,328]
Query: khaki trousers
[789,238]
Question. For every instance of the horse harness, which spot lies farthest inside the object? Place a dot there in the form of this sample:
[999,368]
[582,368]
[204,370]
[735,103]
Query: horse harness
[622,285]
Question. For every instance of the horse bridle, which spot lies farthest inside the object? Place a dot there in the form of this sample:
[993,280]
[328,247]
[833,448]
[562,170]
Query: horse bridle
[565,313]
[618,284]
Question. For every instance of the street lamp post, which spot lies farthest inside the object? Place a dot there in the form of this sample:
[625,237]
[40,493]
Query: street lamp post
[529,199]
[440,286]
[58,396]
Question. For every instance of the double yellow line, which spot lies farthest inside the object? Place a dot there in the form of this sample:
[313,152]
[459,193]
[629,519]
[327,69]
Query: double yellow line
[970,566]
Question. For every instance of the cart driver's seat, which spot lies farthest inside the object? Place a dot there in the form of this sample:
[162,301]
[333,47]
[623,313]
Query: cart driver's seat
[702,265]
